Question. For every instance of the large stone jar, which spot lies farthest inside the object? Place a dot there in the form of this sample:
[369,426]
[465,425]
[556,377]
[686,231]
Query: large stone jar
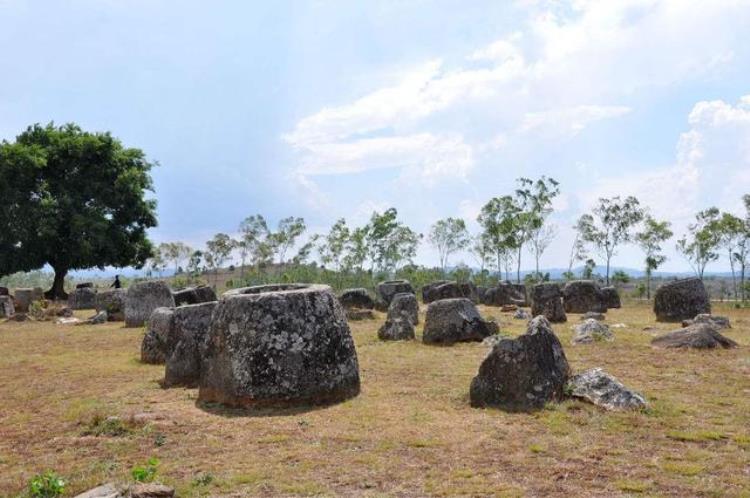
[278,346]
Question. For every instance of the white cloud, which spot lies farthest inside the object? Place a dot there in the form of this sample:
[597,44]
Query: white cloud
[571,121]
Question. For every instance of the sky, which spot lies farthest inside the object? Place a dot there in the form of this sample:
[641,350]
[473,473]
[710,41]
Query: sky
[330,109]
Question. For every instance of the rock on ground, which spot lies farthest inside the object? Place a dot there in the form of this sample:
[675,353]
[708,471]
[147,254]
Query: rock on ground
[143,298]
[591,331]
[696,336]
[388,289]
[187,343]
[194,295]
[7,308]
[82,298]
[356,314]
[24,297]
[598,387]
[440,290]
[99,318]
[357,298]
[279,346]
[397,328]
[113,302]
[718,322]
[469,291]
[504,293]
[547,300]
[157,338]
[681,300]
[524,373]
[455,320]
[138,490]
[580,296]
[593,315]
[611,297]
[406,305]
[521,314]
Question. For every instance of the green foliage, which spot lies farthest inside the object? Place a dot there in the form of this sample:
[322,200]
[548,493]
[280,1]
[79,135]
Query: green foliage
[100,425]
[649,239]
[620,277]
[610,225]
[203,479]
[448,236]
[147,472]
[73,199]
[46,485]
[389,241]
[701,243]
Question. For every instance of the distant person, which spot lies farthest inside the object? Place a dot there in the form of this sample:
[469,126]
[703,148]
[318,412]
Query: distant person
[116,284]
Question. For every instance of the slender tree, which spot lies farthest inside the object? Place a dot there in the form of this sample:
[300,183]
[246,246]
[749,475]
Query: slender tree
[175,252]
[332,247]
[448,236]
[650,239]
[285,236]
[610,225]
[499,221]
[217,252]
[732,231]
[700,245]
[534,201]
[390,242]
[540,240]
[577,252]
[73,199]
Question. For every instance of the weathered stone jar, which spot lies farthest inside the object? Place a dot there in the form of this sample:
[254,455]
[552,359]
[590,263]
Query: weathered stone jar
[278,346]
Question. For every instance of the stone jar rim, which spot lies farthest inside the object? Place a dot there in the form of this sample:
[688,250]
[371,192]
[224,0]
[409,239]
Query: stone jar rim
[280,289]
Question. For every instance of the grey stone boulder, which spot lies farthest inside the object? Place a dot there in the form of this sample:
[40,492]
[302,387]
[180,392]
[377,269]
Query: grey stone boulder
[187,343]
[696,336]
[113,302]
[580,296]
[591,330]
[85,285]
[469,291]
[455,320]
[143,298]
[440,290]
[503,294]
[99,318]
[194,295]
[397,328]
[273,346]
[598,387]
[82,298]
[719,322]
[25,296]
[611,297]
[521,314]
[7,308]
[158,336]
[388,289]
[595,315]
[406,305]
[681,300]
[547,300]
[522,374]
[356,298]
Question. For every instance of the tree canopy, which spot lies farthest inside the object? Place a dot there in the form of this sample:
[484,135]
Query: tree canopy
[73,199]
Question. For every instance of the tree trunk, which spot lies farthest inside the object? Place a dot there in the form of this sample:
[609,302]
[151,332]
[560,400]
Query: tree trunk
[648,285]
[734,277]
[607,270]
[518,266]
[58,286]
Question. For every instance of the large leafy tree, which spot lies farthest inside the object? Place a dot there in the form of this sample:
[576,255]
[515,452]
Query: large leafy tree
[610,225]
[448,236]
[650,239]
[72,199]
[733,237]
[499,221]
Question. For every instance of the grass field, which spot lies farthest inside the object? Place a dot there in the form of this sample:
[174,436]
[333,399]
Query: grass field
[410,432]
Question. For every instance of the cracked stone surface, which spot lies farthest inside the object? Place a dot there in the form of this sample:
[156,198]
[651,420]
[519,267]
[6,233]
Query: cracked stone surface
[547,301]
[279,346]
[524,373]
[580,296]
[681,300]
[598,387]
[591,330]
[186,345]
[696,336]
[143,298]
[455,320]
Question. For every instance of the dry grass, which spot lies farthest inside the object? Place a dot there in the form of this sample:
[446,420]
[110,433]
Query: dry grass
[410,432]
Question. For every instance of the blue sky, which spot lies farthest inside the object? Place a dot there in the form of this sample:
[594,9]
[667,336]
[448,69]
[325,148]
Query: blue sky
[329,109]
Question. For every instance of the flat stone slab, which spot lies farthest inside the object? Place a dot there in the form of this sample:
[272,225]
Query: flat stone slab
[591,331]
[696,336]
[598,387]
